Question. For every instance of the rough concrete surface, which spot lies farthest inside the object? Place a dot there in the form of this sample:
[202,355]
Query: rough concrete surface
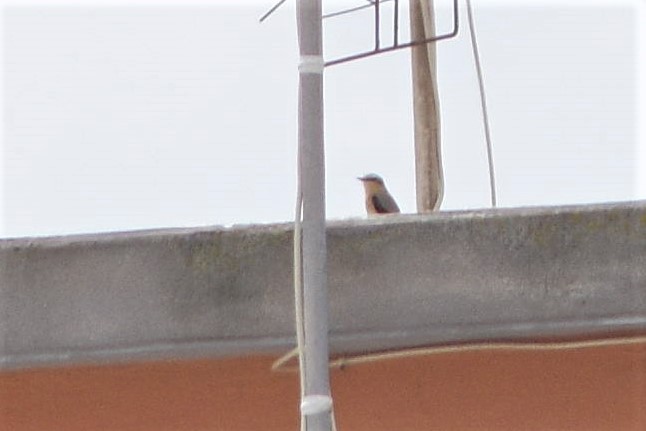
[394,281]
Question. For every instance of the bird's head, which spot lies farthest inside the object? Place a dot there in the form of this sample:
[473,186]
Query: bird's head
[371,178]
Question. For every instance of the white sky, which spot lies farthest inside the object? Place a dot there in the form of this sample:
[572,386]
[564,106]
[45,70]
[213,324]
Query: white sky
[137,117]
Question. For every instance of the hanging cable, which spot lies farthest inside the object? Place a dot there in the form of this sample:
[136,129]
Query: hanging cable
[298,283]
[281,364]
[483,102]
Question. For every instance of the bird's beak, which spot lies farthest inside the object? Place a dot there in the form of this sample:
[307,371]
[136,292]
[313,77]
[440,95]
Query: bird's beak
[361,178]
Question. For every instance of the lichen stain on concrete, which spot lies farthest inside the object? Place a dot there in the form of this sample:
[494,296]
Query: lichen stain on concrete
[217,264]
[267,242]
[360,243]
[544,234]
[204,256]
[512,238]
[615,224]
[216,253]
[578,226]
[212,276]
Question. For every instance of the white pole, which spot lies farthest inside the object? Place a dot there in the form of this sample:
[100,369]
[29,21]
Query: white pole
[316,384]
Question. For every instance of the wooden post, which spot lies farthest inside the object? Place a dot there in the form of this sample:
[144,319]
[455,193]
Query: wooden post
[428,160]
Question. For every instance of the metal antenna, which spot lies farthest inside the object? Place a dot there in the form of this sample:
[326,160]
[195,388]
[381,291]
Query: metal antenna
[396,45]
[375,4]
[353,9]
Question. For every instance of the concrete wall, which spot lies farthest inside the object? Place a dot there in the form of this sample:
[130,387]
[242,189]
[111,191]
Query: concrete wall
[394,281]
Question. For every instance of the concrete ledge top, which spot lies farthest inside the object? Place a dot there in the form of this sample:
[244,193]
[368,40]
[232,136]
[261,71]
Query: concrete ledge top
[394,281]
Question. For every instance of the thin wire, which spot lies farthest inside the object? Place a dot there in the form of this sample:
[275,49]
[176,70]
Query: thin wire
[272,10]
[279,364]
[483,102]
[298,282]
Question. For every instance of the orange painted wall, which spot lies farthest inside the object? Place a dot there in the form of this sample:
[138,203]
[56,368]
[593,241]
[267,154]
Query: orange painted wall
[596,389]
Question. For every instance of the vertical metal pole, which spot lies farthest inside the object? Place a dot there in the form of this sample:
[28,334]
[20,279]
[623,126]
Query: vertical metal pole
[312,168]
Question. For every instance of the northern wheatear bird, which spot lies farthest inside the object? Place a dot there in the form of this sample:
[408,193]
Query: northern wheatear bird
[378,200]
